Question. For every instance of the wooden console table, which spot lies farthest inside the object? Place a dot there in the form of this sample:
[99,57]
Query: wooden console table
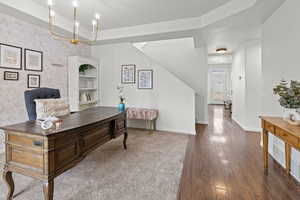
[290,134]
[45,155]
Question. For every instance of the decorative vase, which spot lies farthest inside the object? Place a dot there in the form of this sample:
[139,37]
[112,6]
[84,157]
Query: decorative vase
[292,116]
[121,107]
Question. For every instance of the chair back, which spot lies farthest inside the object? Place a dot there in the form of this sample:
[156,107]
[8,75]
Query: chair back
[40,93]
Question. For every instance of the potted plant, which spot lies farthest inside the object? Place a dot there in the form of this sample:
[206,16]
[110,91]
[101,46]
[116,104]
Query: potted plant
[289,100]
[84,67]
[121,106]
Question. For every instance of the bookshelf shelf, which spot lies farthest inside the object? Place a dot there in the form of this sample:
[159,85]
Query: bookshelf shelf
[83,86]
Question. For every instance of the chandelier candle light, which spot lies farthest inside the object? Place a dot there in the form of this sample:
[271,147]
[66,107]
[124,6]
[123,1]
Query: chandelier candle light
[75,39]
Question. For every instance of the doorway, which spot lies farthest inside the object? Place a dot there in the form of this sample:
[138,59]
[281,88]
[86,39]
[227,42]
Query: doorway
[219,86]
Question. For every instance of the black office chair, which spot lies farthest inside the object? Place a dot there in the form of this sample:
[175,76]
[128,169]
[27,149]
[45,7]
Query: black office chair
[40,93]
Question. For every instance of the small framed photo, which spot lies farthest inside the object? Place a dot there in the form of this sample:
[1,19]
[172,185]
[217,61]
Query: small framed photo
[33,81]
[128,74]
[33,60]
[11,76]
[145,79]
[10,57]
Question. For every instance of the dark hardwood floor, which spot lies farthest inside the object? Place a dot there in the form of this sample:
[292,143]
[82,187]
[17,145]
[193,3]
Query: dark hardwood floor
[225,162]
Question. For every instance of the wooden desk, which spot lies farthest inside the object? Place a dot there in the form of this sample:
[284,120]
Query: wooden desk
[45,155]
[290,134]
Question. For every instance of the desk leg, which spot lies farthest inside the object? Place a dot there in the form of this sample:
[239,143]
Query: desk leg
[8,179]
[125,140]
[266,150]
[288,158]
[48,189]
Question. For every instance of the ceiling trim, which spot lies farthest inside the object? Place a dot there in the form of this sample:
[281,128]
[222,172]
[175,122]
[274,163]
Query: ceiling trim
[163,30]
[183,25]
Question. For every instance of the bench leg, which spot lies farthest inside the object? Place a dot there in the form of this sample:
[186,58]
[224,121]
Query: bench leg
[147,124]
[153,125]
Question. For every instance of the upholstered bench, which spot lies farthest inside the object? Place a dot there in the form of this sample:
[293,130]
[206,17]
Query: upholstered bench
[150,115]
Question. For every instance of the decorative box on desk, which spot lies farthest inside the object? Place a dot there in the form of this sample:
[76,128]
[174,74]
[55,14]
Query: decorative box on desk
[83,83]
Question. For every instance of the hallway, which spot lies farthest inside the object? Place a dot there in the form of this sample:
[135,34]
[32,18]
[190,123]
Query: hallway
[225,162]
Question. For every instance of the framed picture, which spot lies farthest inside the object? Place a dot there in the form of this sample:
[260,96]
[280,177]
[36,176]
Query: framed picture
[11,76]
[10,57]
[145,79]
[33,81]
[128,74]
[33,60]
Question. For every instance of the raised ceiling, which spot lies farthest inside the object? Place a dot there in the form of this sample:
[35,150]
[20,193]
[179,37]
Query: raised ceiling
[123,13]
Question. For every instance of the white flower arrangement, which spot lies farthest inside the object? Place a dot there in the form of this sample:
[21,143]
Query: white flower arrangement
[120,89]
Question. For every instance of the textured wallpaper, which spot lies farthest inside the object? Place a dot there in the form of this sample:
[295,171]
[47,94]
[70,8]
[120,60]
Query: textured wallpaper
[19,33]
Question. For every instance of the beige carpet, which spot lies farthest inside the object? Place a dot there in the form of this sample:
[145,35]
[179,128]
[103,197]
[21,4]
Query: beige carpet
[149,170]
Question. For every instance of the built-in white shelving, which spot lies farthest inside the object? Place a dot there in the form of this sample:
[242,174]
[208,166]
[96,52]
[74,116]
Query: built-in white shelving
[88,102]
[87,89]
[83,86]
[87,76]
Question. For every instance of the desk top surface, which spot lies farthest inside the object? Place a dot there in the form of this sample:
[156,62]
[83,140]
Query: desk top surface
[279,122]
[70,122]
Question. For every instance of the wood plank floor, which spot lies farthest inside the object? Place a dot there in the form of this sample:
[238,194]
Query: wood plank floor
[225,162]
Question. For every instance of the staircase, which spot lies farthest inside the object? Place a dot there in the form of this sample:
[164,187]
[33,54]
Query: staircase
[188,63]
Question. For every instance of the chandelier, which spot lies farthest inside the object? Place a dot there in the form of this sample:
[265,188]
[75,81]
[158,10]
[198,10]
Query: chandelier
[75,39]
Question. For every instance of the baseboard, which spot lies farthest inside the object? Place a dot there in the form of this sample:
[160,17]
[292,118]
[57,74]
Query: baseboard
[164,131]
[202,122]
[245,128]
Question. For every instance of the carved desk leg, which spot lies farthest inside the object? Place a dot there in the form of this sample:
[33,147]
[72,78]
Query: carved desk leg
[7,177]
[48,189]
[125,139]
[266,150]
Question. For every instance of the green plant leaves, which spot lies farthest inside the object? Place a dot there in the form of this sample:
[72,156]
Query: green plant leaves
[289,95]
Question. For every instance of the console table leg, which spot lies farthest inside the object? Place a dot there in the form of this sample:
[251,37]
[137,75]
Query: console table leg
[125,140]
[266,150]
[48,189]
[288,158]
[8,179]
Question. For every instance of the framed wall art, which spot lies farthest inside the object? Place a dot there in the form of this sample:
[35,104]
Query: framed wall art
[128,74]
[11,76]
[10,57]
[33,81]
[33,60]
[145,79]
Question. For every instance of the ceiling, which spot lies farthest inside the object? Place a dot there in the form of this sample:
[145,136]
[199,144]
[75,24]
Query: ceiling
[237,29]
[124,13]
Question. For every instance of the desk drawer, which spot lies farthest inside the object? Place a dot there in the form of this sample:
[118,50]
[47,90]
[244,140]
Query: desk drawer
[269,127]
[66,154]
[26,158]
[287,137]
[120,124]
[35,144]
[94,137]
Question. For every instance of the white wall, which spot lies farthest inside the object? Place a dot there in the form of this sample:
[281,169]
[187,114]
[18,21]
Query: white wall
[173,98]
[253,85]
[280,57]
[180,57]
[238,86]
[246,85]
